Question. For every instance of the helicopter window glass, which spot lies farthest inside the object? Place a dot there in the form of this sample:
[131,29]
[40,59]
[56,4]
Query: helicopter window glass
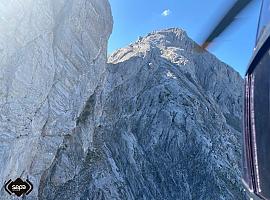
[262,122]
[264,19]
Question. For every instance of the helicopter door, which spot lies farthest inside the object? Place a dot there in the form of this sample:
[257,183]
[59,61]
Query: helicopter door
[260,125]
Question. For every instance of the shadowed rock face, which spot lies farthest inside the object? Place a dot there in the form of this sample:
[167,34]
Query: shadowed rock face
[165,123]
[171,120]
[161,120]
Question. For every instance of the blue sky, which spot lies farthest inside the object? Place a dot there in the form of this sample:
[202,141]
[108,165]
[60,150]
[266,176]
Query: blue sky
[134,18]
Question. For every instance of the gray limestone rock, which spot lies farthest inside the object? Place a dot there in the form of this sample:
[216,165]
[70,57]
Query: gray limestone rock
[161,120]
[51,62]
[166,124]
[171,120]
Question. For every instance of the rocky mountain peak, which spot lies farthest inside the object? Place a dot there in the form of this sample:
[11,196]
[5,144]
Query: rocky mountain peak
[179,112]
[157,41]
[173,37]
[174,48]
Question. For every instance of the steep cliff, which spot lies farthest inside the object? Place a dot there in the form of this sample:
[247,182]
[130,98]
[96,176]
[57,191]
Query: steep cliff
[161,120]
[51,62]
[165,122]
[171,120]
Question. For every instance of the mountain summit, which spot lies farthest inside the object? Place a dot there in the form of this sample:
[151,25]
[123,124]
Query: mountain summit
[172,119]
[215,78]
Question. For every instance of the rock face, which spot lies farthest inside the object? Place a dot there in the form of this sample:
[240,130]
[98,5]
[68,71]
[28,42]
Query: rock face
[171,121]
[161,121]
[164,123]
[51,62]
